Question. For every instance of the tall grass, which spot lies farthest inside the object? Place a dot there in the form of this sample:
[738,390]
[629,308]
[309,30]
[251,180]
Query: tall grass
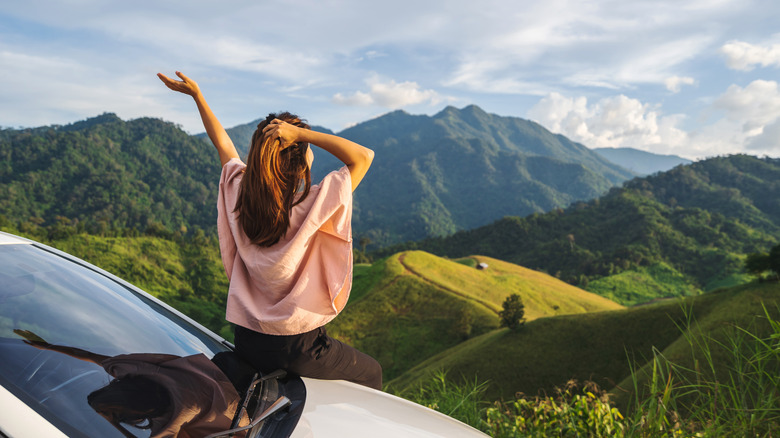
[731,390]
[462,401]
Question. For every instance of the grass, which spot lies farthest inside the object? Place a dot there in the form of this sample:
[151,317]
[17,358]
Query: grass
[732,389]
[543,295]
[601,347]
[644,284]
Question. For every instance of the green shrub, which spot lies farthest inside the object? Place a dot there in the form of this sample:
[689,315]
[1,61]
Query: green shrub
[572,412]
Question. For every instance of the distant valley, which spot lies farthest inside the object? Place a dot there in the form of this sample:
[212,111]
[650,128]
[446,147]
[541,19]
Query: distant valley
[641,162]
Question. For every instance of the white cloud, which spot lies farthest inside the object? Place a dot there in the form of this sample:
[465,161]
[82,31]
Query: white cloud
[44,90]
[753,106]
[617,121]
[389,94]
[768,141]
[745,56]
[675,83]
[750,123]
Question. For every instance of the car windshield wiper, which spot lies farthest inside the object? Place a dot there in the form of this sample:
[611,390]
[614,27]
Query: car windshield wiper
[281,403]
[253,397]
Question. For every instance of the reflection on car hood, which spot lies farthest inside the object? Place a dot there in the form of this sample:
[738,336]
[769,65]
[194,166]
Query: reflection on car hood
[356,411]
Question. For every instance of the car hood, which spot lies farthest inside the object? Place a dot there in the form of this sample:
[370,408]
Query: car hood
[346,410]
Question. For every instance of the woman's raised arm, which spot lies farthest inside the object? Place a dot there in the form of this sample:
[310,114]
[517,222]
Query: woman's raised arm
[214,129]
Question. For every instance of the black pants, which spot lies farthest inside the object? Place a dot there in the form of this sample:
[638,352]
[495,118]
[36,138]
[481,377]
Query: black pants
[312,354]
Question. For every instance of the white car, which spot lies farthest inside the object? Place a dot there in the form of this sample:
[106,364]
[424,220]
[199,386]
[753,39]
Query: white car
[86,354]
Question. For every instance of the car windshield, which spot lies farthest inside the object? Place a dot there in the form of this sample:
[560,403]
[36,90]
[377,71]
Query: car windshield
[73,341]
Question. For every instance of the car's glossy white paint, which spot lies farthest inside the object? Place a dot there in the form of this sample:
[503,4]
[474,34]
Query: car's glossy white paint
[346,410]
[17,420]
[7,239]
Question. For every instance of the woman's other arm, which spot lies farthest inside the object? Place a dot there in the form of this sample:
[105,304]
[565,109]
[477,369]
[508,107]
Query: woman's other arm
[214,129]
[36,341]
[357,158]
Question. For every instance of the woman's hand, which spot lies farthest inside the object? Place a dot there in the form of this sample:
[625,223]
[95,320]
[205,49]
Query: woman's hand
[286,133]
[186,85]
[214,129]
[31,338]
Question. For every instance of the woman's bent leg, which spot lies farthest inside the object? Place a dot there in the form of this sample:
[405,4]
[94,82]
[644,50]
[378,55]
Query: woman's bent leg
[332,359]
[313,354]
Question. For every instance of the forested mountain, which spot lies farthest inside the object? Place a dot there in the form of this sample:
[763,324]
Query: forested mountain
[695,221]
[641,162]
[432,176]
[105,173]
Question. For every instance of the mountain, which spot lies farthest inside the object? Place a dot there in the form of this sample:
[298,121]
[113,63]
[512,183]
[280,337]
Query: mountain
[690,226]
[459,169]
[641,162]
[104,173]
[413,305]
[432,175]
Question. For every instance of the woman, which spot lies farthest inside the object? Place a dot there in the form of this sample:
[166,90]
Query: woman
[287,245]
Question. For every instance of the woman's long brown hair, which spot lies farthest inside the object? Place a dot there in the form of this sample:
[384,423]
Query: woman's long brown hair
[272,179]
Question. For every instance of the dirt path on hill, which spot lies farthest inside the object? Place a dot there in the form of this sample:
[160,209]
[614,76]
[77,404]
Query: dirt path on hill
[441,286]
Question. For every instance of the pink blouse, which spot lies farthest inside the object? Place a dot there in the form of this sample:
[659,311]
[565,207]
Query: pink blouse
[303,281]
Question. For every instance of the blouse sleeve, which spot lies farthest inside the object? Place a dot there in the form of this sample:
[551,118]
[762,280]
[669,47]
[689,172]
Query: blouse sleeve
[229,184]
[332,210]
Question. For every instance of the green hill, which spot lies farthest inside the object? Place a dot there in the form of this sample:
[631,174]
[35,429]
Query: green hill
[691,226]
[601,347]
[413,305]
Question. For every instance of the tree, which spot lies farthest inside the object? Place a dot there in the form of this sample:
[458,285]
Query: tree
[774,260]
[512,315]
[757,263]
[364,242]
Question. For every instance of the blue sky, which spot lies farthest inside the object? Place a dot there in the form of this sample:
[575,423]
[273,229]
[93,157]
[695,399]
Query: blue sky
[687,77]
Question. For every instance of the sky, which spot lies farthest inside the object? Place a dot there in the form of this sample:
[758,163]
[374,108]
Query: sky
[694,78]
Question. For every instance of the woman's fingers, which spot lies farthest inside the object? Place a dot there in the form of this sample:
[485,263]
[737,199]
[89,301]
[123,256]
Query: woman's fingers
[184,78]
[186,85]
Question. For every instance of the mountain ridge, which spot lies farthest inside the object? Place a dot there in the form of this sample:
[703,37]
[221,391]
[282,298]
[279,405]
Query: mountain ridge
[432,175]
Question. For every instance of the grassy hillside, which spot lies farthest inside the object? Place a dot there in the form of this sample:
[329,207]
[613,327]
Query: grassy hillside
[707,349]
[646,283]
[601,347]
[412,305]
